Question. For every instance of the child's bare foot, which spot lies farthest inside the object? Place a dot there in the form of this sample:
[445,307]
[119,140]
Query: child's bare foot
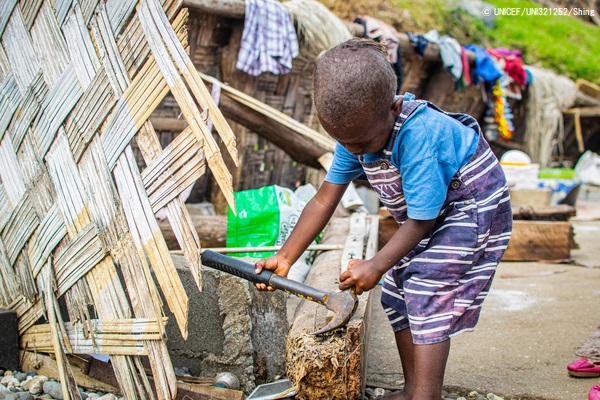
[400,395]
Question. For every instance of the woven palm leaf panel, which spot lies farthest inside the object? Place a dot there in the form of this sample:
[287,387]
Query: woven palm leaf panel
[214,43]
[78,82]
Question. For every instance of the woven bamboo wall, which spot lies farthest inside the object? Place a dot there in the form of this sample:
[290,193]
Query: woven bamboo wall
[214,45]
[78,82]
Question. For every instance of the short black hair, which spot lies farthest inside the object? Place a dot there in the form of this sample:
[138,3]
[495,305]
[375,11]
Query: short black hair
[351,80]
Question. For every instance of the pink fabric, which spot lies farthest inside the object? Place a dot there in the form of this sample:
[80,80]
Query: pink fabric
[466,67]
[594,393]
[512,64]
[583,365]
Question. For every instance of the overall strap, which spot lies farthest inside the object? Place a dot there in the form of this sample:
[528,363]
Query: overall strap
[408,107]
[464,119]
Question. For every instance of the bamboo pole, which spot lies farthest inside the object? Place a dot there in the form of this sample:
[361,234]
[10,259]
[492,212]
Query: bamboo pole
[259,249]
[183,149]
[196,120]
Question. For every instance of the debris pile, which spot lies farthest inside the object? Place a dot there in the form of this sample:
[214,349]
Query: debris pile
[29,385]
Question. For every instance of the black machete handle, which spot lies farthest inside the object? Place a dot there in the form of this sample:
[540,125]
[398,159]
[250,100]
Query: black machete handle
[245,270]
[235,267]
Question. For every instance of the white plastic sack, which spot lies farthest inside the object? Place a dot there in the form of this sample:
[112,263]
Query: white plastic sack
[587,169]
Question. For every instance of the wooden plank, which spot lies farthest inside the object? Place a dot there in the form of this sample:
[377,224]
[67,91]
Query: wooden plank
[560,212]
[226,8]
[302,143]
[539,240]
[539,197]
[588,88]
[531,240]
[44,365]
[186,391]
[578,134]
[593,111]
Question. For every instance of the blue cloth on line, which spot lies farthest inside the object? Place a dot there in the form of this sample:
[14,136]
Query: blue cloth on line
[485,68]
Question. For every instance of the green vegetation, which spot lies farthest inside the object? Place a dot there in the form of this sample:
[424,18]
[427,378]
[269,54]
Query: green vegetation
[564,44]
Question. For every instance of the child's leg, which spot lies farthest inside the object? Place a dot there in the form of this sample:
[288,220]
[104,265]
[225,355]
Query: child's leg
[423,367]
[406,347]
[430,365]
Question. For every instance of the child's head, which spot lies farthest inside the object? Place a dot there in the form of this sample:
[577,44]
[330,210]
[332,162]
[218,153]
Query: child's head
[354,94]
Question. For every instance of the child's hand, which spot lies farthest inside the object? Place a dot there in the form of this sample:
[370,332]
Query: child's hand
[361,274]
[275,263]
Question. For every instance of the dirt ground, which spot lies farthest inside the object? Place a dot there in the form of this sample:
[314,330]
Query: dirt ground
[535,318]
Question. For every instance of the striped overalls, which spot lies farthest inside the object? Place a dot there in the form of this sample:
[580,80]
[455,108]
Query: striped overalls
[438,288]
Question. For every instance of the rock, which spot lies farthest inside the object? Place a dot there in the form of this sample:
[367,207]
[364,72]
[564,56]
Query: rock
[108,396]
[54,389]
[30,373]
[93,396]
[10,381]
[11,396]
[20,376]
[26,396]
[2,388]
[8,372]
[379,392]
[36,384]
[492,396]
[182,371]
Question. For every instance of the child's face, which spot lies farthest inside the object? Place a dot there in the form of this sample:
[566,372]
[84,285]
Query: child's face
[367,136]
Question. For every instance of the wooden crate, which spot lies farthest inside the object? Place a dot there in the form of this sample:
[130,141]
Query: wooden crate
[539,240]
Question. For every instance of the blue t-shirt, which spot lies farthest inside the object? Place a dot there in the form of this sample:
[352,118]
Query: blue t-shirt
[429,149]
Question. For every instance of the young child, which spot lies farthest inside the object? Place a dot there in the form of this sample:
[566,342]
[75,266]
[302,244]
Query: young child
[438,178]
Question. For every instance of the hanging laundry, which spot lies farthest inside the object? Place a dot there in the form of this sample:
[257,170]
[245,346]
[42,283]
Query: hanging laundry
[485,68]
[465,79]
[384,33]
[513,64]
[418,42]
[450,51]
[466,66]
[269,41]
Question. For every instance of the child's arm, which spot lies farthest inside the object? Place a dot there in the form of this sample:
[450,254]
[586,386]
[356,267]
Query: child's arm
[313,219]
[364,274]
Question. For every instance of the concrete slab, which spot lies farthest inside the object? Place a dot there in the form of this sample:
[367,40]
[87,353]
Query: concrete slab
[232,328]
[530,327]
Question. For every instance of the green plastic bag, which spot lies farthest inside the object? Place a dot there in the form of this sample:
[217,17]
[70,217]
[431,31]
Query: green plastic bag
[256,222]
[266,216]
